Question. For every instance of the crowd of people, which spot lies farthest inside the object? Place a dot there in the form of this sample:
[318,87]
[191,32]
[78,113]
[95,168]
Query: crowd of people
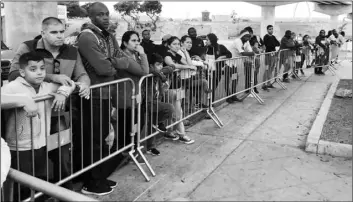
[48,66]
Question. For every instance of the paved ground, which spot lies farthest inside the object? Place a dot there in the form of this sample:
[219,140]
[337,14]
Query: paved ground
[257,155]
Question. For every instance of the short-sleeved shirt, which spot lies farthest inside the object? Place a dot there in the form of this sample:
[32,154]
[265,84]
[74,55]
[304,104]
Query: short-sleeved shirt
[238,47]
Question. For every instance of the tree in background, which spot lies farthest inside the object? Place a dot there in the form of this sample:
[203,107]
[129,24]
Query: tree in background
[86,6]
[74,9]
[131,10]
[152,9]
[234,16]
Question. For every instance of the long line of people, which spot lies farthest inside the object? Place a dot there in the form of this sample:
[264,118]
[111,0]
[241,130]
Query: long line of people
[101,115]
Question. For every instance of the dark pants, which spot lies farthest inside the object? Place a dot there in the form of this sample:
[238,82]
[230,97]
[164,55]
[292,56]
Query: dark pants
[247,73]
[157,112]
[26,164]
[320,61]
[96,127]
[217,76]
[61,158]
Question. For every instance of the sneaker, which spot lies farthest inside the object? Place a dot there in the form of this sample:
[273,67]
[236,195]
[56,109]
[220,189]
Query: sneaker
[301,71]
[286,80]
[236,99]
[256,91]
[293,76]
[162,127]
[270,86]
[170,135]
[153,152]
[229,100]
[265,88]
[185,139]
[97,190]
[110,183]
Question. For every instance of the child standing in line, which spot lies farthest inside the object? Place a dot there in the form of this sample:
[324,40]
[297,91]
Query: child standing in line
[23,134]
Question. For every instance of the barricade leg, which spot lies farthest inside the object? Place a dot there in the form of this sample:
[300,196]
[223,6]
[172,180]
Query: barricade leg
[210,111]
[131,153]
[279,82]
[252,92]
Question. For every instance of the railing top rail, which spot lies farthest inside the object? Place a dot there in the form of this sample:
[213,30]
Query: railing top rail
[46,187]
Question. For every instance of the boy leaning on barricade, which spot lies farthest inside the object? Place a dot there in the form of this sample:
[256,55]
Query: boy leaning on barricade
[157,111]
[25,135]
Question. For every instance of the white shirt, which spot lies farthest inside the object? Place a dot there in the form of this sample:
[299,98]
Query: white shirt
[239,47]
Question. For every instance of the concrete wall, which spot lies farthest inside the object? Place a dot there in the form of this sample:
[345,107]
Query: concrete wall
[23,20]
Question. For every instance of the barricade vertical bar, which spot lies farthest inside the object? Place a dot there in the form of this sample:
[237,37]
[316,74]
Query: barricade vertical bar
[33,160]
[252,92]
[59,143]
[277,70]
[134,130]
[210,110]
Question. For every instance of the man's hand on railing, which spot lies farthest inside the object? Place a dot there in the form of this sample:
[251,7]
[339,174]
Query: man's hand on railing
[84,91]
[61,79]
[58,102]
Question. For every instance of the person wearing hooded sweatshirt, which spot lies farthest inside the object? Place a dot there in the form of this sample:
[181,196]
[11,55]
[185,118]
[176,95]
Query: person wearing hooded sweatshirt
[287,56]
[322,48]
[101,57]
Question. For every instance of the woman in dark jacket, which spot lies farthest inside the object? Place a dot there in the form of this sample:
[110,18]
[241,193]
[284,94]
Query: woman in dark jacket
[218,52]
[287,55]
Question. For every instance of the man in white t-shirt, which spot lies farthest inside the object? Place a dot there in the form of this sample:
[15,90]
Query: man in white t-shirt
[241,47]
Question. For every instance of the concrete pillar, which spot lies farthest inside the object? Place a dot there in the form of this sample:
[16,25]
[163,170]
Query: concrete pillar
[268,18]
[23,20]
[334,22]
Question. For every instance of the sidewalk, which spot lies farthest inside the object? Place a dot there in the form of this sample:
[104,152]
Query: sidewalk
[257,155]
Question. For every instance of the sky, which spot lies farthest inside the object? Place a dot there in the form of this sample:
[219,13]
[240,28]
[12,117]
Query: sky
[243,9]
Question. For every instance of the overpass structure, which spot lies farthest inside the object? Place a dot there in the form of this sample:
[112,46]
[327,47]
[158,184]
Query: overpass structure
[331,8]
[23,19]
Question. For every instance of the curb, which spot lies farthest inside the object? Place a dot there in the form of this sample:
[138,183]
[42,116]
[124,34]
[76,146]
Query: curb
[313,142]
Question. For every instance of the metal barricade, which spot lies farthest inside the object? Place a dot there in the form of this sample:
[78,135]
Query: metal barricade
[43,186]
[165,105]
[322,61]
[266,69]
[59,146]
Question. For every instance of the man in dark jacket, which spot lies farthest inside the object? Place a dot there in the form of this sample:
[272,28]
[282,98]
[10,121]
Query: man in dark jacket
[287,55]
[198,47]
[148,44]
[99,50]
